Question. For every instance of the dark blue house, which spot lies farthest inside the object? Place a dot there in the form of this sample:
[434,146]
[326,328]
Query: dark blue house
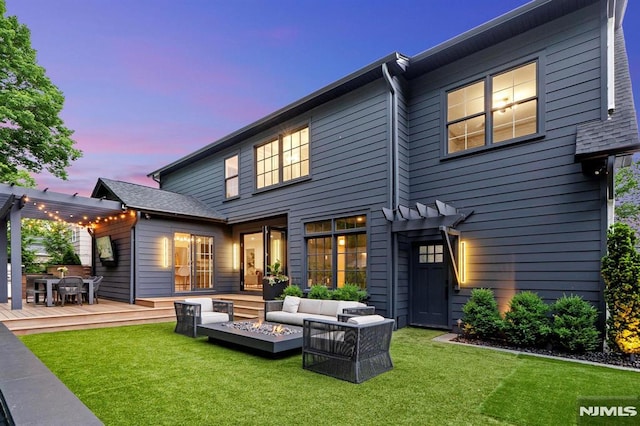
[486,161]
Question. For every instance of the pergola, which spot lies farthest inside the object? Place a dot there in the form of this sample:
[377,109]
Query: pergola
[18,202]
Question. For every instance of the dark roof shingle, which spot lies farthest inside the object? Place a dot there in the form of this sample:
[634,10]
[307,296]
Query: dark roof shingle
[156,200]
[618,134]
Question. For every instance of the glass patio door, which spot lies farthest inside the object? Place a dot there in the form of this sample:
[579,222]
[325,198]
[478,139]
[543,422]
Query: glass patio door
[258,251]
[252,260]
[193,262]
[277,251]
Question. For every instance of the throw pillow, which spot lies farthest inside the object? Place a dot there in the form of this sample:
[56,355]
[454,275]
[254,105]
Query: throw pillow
[291,304]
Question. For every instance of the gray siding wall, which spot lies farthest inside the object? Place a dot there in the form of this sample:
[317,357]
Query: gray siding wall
[537,221]
[349,175]
[155,280]
[116,282]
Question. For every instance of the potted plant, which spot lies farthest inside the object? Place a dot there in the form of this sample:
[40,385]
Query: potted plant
[62,270]
[274,283]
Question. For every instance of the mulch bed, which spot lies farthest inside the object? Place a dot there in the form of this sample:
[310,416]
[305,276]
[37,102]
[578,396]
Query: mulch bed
[609,358]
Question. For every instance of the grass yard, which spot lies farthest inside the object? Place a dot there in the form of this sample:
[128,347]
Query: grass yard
[148,375]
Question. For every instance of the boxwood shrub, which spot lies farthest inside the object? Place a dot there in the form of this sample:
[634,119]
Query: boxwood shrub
[574,324]
[526,322]
[481,317]
[292,290]
[349,292]
[319,291]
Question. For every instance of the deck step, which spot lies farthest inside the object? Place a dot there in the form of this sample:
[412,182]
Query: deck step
[78,322]
[40,319]
[244,306]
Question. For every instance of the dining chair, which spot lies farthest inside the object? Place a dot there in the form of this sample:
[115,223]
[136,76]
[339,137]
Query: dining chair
[96,287]
[70,286]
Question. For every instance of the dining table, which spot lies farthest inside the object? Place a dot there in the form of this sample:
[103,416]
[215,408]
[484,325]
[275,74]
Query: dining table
[48,284]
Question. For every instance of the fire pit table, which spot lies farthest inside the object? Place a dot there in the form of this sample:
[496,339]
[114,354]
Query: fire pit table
[263,336]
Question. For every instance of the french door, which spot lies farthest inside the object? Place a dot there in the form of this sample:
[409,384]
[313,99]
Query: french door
[259,250]
[193,262]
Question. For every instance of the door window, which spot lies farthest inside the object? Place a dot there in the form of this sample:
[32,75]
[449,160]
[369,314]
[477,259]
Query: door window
[431,253]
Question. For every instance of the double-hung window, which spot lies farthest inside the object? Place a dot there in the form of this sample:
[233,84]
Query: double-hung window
[283,159]
[231,187]
[510,113]
[337,252]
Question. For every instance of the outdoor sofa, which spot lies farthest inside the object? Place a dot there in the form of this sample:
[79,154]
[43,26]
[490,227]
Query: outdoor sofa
[293,310]
[354,350]
[194,311]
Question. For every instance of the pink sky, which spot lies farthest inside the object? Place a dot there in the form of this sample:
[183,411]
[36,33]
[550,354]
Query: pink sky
[147,82]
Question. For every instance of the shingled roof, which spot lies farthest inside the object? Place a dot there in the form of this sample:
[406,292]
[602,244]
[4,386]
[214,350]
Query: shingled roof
[154,200]
[618,134]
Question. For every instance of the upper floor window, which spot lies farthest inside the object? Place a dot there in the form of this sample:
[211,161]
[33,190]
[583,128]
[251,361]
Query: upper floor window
[231,187]
[283,159]
[511,113]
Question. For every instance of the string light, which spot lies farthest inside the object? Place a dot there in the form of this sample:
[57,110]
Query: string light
[82,221]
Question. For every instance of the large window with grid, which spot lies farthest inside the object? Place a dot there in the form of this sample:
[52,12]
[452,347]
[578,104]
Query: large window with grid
[511,113]
[337,252]
[283,159]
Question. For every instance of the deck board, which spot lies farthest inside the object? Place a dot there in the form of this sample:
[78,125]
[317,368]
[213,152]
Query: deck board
[38,318]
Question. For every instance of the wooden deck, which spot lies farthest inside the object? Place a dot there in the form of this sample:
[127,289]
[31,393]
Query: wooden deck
[41,319]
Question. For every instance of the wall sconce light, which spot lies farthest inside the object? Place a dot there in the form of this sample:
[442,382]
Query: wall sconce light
[462,259]
[234,257]
[165,252]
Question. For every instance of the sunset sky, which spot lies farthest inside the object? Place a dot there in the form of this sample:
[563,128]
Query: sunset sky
[147,82]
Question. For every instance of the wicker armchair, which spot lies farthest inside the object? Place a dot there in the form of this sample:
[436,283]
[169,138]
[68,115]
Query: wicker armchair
[191,312]
[355,351]
[68,287]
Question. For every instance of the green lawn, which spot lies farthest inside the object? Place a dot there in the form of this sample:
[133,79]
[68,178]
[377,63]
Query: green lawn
[147,375]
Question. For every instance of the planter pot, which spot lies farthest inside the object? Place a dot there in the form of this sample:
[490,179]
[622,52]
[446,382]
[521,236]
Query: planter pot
[72,270]
[272,292]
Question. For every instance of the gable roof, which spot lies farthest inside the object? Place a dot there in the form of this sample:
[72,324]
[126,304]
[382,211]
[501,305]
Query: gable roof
[153,200]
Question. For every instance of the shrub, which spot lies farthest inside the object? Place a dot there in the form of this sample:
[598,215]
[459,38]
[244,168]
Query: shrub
[574,324]
[70,257]
[349,292]
[526,323]
[319,291]
[621,274]
[481,316]
[291,290]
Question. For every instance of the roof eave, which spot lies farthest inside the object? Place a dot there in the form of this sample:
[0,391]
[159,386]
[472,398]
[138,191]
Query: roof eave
[359,78]
[508,25]
[179,215]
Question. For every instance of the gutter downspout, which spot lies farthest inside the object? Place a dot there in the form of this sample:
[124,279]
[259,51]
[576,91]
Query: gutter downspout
[394,198]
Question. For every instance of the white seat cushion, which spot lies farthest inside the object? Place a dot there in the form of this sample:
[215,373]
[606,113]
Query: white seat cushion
[213,317]
[342,304]
[329,308]
[365,319]
[293,319]
[310,306]
[206,304]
